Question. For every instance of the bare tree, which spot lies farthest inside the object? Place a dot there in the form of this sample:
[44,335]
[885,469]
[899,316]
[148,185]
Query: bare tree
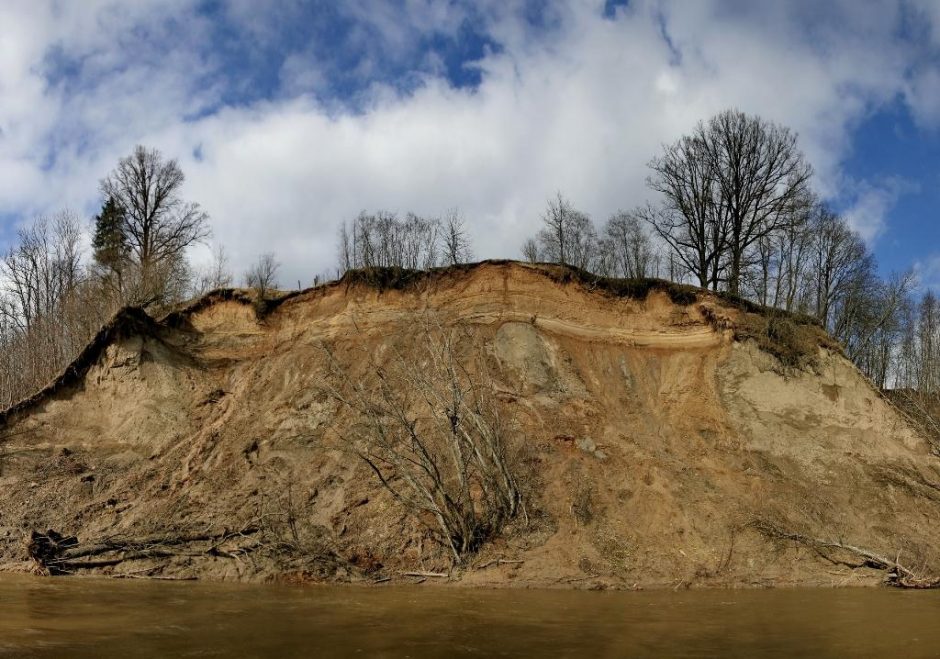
[692,219]
[346,249]
[431,431]
[928,340]
[43,269]
[628,247]
[215,275]
[779,269]
[732,183]
[918,367]
[568,236]
[530,251]
[157,224]
[456,241]
[583,247]
[558,233]
[762,180]
[46,315]
[839,262]
[554,237]
[868,322]
[262,276]
[383,240]
[419,243]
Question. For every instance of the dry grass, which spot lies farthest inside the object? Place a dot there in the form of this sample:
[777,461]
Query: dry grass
[794,340]
[635,289]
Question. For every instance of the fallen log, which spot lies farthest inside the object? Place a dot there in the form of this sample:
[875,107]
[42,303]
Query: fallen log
[56,554]
[897,575]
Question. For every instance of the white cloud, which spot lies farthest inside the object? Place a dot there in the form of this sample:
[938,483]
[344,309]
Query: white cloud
[927,273]
[871,204]
[580,106]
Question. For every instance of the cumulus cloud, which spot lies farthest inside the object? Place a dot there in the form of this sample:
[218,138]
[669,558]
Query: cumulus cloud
[871,204]
[576,101]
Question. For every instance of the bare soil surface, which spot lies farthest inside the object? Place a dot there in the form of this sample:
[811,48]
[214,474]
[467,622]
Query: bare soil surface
[657,444]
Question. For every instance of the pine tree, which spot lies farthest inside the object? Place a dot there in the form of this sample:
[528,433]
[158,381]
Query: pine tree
[109,242]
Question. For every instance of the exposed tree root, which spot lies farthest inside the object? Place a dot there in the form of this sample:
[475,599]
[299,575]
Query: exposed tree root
[897,575]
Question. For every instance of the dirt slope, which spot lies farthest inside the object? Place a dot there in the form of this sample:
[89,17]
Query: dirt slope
[658,449]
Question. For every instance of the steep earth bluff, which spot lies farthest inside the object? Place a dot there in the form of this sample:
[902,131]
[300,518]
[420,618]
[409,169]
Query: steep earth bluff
[659,445]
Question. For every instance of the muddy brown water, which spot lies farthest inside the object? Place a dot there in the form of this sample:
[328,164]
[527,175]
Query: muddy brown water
[101,618]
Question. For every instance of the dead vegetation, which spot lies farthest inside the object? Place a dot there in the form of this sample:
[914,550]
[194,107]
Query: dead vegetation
[793,340]
[635,289]
[432,433]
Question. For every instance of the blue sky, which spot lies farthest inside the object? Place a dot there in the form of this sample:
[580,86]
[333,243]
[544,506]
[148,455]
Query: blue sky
[290,119]
[889,145]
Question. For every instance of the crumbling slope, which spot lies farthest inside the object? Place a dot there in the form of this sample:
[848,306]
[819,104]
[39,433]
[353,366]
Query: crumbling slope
[666,437]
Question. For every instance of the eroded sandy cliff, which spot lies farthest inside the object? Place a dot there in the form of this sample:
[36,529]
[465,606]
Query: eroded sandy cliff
[657,450]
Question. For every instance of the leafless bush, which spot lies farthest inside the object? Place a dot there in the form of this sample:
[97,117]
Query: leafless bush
[431,431]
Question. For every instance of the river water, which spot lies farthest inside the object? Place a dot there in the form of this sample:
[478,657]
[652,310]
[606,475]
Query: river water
[104,618]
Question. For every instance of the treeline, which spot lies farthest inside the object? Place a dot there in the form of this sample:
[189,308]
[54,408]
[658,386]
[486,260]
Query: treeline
[622,248]
[384,240]
[736,213]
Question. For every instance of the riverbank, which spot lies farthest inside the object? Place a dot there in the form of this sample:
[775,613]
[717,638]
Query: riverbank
[660,437]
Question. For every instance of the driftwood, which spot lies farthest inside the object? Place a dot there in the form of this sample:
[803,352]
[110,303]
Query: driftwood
[56,554]
[435,575]
[897,575]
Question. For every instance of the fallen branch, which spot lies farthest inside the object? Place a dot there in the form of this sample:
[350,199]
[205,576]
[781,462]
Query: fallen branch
[435,575]
[497,562]
[152,577]
[897,574]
